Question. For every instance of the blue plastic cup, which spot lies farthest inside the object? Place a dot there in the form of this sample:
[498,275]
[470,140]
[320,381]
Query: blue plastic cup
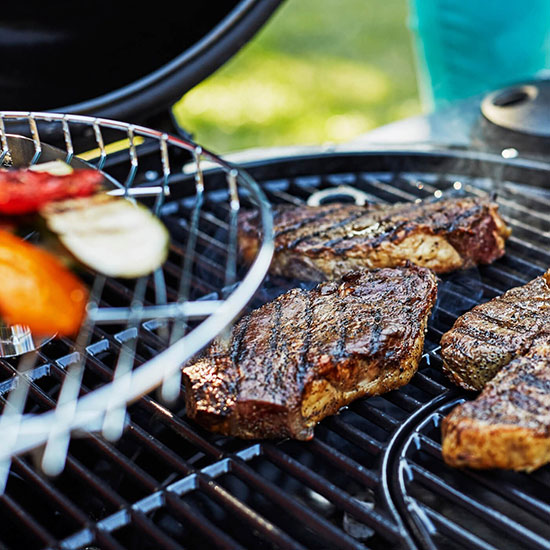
[467,47]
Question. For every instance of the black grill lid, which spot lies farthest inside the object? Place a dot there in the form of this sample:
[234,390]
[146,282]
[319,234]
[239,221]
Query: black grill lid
[123,60]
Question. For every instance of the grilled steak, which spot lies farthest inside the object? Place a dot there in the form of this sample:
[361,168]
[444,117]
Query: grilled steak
[490,335]
[306,354]
[324,242]
[508,425]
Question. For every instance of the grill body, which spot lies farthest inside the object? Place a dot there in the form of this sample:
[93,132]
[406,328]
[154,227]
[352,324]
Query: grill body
[372,477]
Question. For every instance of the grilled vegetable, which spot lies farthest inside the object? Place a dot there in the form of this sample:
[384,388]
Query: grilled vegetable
[54,167]
[27,190]
[114,236]
[37,290]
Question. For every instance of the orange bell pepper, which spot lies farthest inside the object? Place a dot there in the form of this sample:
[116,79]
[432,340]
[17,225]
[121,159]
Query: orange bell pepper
[37,290]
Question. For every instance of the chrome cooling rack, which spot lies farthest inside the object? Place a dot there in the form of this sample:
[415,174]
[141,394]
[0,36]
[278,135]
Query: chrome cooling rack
[169,308]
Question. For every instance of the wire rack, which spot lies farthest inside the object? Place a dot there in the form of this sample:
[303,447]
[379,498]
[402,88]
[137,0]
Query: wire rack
[138,162]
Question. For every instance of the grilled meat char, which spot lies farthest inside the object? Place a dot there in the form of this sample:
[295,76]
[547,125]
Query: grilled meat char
[490,335]
[508,425]
[304,355]
[324,242]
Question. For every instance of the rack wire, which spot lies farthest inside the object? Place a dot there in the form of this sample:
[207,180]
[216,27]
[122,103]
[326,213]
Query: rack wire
[181,322]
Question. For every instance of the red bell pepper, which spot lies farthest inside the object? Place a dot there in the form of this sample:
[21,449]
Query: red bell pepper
[26,191]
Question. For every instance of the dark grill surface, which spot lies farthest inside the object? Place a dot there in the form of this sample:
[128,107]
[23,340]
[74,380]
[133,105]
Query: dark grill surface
[372,477]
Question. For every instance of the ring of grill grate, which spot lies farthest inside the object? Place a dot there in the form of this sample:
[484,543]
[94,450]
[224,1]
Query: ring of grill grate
[372,477]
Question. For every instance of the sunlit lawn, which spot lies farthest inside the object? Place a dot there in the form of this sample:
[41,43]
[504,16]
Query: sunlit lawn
[319,71]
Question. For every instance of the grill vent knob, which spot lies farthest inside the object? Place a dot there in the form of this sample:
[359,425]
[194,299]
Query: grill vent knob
[524,108]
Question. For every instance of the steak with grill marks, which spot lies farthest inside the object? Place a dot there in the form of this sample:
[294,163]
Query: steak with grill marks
[490,335]
[508,425]
[304,355]
[324,242]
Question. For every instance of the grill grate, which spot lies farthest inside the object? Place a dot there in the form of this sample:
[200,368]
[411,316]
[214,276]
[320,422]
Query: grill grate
[371,478]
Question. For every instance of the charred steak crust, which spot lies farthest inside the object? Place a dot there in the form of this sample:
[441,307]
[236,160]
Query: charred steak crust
[490,335]
[323,242]
[304,355]
[508,425]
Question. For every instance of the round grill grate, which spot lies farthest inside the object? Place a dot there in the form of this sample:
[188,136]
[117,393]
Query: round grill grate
[159,321]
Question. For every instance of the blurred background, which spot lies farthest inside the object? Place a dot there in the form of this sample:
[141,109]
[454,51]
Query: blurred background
[319,71]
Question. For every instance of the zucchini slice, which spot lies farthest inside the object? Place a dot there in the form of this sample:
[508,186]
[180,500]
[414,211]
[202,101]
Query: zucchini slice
[54,167]
[112,235]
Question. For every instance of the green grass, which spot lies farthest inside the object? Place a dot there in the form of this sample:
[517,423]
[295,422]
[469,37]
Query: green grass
[319,71]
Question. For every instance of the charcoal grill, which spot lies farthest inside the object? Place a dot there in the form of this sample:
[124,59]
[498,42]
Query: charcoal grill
[372,477]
